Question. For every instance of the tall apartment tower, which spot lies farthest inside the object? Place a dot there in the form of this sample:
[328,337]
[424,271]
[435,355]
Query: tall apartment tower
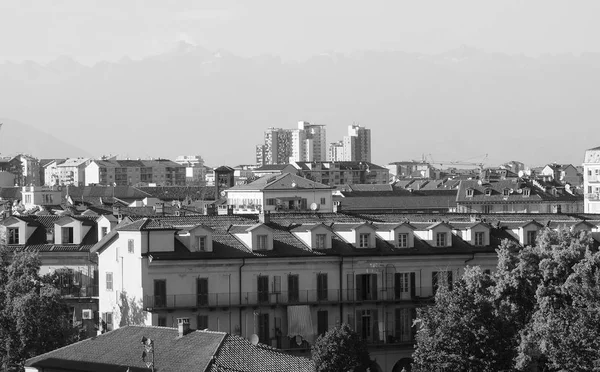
[309,142]
[281,146]
[356,146]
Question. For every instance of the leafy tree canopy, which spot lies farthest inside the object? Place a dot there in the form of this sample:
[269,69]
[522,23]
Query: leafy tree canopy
[539,311]
[340,350]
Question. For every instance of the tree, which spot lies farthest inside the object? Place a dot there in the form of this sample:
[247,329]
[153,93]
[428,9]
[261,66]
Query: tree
[340,350]
[539,311]
[33,317]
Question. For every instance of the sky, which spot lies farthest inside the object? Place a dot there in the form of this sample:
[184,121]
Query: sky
[110,30]
[92,31]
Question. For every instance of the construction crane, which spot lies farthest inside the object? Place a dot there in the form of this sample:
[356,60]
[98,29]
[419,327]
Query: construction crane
[429,159]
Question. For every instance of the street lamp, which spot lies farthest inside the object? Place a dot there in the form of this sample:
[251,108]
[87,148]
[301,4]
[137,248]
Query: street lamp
[148,348]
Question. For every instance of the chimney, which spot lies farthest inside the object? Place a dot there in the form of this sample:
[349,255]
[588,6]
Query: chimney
[183,326]
[116,210]
[159,208]
[264,217]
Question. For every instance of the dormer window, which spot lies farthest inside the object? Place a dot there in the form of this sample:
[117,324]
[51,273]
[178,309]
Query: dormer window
[440,239]
[526,192]
[13,235]
[363,240]
[469,193]
[488,192]
[506,192]
[479,238]
[261,242]
[201,240]
[402,240]
[320,242]
[67,235]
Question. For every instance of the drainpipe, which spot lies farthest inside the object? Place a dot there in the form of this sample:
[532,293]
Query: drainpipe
[341,290]
[240,288]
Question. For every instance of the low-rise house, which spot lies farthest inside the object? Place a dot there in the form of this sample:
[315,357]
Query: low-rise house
[284,192]
[563,173]
[343,172]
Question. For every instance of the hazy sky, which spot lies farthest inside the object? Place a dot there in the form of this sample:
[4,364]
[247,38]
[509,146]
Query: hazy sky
[110,29]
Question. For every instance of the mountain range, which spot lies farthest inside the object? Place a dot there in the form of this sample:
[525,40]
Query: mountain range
[457,105]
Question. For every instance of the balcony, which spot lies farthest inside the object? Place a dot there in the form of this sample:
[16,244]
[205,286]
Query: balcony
[593,196]
[74,291]
[283,298]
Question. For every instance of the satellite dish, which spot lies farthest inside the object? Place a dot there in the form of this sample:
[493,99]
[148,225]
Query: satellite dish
[299,340]
[314,206]
[223,193]
[254,339]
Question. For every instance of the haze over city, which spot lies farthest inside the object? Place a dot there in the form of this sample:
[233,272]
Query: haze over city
[456,80]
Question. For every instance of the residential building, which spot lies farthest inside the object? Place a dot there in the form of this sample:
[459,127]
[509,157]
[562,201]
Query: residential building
[63,245]
[309,143]
[30,170]
[335,151]
[195,171]
[11,171]
[275,169]
[49,171]
[72,171]
[40,196]
[178,349]
[357,144]
[411,169]
[591,180]
[343,172]
[517,195]
[159,172]
[563,173]
[284,192]
[289,277]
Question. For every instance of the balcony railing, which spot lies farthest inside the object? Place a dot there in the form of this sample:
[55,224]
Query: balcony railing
[301,297]
[593,196]
[79,291]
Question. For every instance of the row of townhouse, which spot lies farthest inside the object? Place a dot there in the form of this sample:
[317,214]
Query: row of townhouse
[289,277]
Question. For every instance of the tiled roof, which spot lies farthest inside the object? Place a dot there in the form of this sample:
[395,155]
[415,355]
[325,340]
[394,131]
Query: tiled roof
[121,349]
[398,203]
[238,354]
[10,193]
[281,182]
[168,193]
[272,167]
[121,192]
[514,187]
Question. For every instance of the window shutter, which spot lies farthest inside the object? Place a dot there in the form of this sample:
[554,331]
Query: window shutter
[412,285]
[350,285]
[397,279]
[374,286]
[450,281]
[374,318]
[359,289]
[413,316]
[359,323]
[434,281]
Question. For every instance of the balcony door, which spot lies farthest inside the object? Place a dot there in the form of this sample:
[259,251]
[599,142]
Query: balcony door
[160,293]
[293,288]
[202,291]
[366,287]
[263,288]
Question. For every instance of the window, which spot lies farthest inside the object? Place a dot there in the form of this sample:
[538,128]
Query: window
[277,284]
[488,192]
[263,288]
[441,279]
[201,243]
[104,231]
[367,325]
[506,192]
[589,172]
[531,235]
[403,324]
[322,287]
[322,322]
[271,201]
[263,328]
[202,322]
[162,321]
[480,238]
[293,288]
[13,235]
[261,242]
[320,241]
[366,287]
[487,208]
[402,240]
[107,322]
[589,189]
[202,292]
[323,201]
[363,240]
[526,192]
[160,293]
[440,239]
[130,248]
[109,281]
[402,288]
[67,235]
